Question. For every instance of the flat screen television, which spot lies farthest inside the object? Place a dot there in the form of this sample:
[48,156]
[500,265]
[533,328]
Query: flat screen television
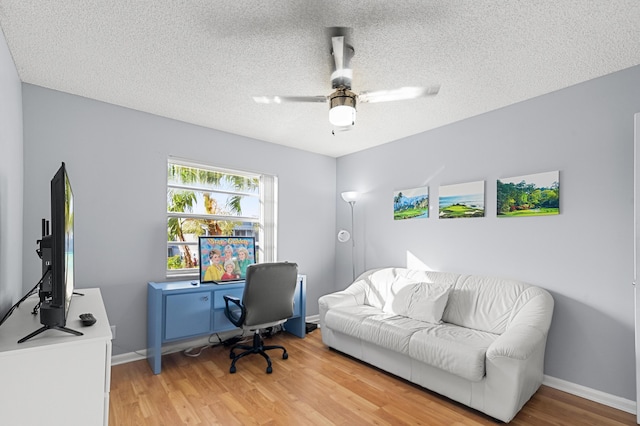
[56,289]
[225,259]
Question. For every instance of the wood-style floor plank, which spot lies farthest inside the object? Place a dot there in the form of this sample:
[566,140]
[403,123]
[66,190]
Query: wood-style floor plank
[314,386]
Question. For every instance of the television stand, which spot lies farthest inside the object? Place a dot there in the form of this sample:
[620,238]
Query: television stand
[50,327]
[71,374]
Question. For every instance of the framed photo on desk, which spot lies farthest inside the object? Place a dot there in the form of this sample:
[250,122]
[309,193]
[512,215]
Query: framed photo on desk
[225,259]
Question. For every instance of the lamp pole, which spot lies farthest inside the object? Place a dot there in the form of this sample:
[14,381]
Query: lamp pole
[353,244]
[351,197]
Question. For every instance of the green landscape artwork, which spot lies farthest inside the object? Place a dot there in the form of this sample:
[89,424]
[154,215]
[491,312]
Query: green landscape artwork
[411,203]
[530,195]
[461,200]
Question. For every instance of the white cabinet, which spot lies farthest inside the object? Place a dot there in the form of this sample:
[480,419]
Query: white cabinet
[56,378]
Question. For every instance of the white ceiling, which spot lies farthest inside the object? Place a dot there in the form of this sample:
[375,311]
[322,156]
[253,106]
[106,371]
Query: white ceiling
[201,61]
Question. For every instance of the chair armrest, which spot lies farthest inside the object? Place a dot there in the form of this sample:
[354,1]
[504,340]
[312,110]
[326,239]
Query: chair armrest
[235,312]
[235,300]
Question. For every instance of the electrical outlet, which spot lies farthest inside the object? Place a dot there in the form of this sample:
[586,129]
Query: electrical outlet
[113,332]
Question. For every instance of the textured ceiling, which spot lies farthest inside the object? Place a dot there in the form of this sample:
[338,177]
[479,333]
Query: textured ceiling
[201,61]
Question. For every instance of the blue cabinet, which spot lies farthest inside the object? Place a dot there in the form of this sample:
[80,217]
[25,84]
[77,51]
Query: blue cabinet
[187,314]
[180,310]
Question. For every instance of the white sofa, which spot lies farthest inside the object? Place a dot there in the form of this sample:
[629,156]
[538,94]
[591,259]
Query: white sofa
[477,340]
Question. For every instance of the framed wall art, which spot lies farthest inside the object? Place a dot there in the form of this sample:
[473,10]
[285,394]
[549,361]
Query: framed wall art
[412,203]
[529,195]
[461,200]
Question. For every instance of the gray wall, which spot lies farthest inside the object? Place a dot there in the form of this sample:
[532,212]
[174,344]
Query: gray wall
[584,256]
[116,159]
[10,181]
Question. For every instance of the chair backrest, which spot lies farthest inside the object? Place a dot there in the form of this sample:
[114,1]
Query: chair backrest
[268,292]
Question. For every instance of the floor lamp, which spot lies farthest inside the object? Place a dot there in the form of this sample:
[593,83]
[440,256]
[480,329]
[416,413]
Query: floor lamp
[343,236]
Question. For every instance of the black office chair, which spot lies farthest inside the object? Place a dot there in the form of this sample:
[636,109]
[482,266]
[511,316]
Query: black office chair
[267,301]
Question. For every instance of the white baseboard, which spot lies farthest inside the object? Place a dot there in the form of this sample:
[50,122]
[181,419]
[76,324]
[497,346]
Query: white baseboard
[169,348]
[128,357]
[603,398]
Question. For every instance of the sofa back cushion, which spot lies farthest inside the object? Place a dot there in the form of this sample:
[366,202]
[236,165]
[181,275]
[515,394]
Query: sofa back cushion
[479,302]
[378,283]
[420,301]
[483,303]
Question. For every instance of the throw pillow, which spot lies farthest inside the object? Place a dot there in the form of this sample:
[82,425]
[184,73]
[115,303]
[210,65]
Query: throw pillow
[428,302]
[417,300]
[390,304]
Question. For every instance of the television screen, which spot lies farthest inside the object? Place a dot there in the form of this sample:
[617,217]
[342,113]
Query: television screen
[69,271]
[62,270]
[57,283]
[225,259]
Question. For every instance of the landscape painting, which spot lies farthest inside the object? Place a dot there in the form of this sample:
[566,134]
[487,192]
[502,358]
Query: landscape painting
[530,195]
[411,203]
[461,200]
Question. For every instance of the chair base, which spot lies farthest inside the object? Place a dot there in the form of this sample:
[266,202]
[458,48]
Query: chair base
[258,347]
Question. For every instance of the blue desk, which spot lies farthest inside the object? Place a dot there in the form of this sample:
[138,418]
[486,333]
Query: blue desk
[178,310]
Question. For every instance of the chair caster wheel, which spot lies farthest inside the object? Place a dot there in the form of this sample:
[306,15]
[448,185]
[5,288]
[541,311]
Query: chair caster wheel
[269,370]
[232,369]
[285,355]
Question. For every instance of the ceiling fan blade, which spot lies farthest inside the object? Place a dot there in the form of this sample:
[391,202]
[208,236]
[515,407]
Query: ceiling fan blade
[338,51]
[400,94]
[286,99]
[342,53]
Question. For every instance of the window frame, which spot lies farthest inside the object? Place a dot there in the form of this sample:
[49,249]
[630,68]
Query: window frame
[267,219]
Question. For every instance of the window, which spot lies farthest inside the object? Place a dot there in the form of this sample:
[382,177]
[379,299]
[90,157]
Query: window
[203,200]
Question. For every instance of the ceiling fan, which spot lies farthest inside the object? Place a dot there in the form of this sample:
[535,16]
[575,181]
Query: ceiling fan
[342,102]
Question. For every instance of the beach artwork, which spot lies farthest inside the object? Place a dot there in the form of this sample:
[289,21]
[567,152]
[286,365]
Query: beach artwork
[461,200]
[530,195]
[411,203]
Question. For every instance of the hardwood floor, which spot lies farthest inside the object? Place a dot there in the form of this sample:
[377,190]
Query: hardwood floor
[315,386]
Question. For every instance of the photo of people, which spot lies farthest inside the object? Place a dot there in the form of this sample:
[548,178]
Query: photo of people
[225,258]
[214,270]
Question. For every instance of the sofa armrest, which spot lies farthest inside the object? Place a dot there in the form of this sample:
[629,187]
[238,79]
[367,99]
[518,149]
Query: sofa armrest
[527,330]
[518,343]
[514,370]
[351,296]
[515,360]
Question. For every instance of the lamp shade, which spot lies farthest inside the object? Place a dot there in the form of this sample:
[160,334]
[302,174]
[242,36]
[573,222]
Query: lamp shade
[342,115]
[349,196]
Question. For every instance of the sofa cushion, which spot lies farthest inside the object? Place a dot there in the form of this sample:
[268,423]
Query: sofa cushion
[391,331]
[417,300]
[391,306]
[348,319]
[376,286]
[458,350]
[483,303]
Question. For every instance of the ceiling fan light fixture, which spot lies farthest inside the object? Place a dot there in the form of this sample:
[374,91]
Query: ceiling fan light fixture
[342,115]
[342,110]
